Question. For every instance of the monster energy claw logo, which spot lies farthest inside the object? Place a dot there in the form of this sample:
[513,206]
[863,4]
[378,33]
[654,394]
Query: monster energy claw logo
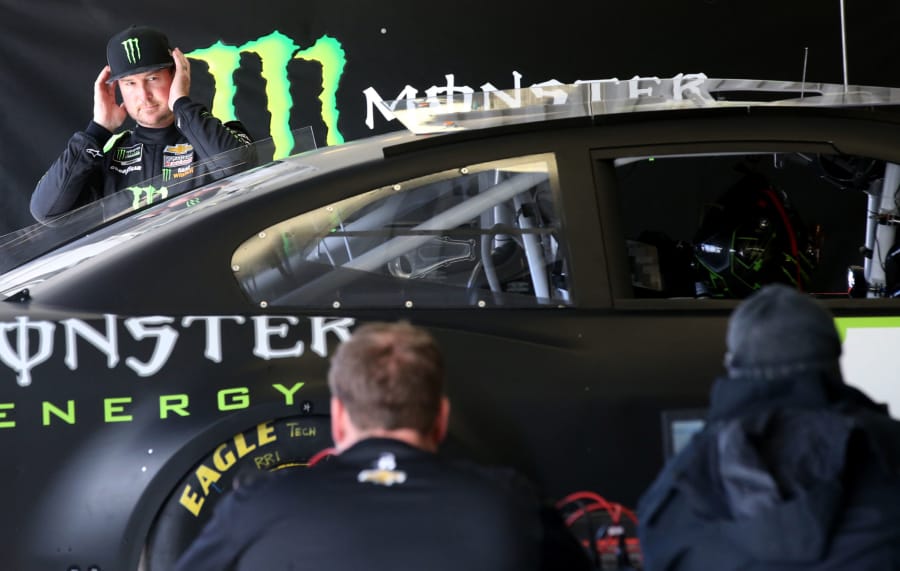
[132,49]
[144,195]
[276,52]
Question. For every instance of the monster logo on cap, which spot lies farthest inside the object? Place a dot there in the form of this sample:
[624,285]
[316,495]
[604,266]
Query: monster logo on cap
[132,49]
[137,49]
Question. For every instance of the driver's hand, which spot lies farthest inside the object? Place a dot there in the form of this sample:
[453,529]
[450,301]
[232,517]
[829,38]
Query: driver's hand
[181,83]
[107,113]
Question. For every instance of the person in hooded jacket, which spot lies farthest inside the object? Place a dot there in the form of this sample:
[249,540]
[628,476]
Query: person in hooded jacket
[794,469]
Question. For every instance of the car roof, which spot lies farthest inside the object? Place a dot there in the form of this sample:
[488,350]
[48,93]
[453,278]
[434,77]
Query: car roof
[552,100]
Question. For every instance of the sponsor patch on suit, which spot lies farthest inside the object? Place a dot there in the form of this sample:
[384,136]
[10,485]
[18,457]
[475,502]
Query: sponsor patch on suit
[123,156]
[175,156]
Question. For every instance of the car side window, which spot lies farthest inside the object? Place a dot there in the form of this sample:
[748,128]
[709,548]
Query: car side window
[723,225]
[485,235]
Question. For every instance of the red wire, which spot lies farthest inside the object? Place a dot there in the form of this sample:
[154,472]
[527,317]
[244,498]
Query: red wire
[583,495]
[615,513]
[598,502]
[792,236]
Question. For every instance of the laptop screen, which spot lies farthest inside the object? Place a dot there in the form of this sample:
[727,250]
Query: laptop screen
[679,426]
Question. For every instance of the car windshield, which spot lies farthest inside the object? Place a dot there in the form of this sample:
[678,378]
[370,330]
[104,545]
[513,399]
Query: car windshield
[30,242]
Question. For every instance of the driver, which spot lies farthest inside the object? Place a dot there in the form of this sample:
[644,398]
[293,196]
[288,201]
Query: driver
[751,237]
[172,135]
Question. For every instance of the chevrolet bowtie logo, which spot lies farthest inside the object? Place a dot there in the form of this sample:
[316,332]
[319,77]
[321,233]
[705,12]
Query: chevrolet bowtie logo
[179,149]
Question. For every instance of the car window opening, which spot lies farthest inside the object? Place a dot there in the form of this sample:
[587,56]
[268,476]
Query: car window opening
[723,225]
[483,236]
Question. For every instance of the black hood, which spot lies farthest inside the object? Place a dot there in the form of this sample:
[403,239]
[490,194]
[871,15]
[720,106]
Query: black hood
[771,483]
[765,476]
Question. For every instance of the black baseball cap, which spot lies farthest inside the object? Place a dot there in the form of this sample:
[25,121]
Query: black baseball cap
[136,50]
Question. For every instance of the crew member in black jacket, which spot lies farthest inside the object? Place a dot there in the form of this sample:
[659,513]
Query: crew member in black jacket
[387,500]
[168,151]
[794,469]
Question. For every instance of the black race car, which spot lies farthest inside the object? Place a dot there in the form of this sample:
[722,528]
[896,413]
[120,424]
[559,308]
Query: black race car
[576,250]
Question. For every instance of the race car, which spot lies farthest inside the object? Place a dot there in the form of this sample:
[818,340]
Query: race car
[575,249]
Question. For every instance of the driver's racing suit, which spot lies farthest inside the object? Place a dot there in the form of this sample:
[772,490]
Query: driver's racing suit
[96,163]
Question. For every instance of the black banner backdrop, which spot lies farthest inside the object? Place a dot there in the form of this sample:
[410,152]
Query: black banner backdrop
[328,63]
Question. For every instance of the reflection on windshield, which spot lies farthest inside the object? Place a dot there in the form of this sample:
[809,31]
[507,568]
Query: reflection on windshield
[28,243]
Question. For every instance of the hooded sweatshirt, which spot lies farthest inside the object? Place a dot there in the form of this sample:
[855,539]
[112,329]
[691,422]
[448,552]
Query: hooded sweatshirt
[799,472]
